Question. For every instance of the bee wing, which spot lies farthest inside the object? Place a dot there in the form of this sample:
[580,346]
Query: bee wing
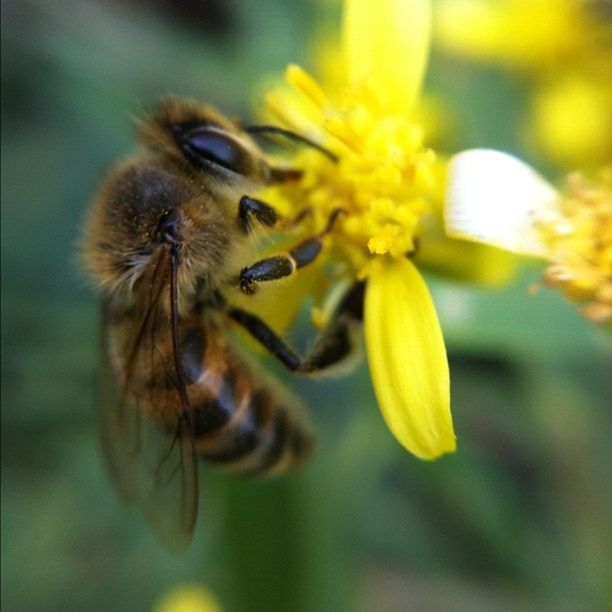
[154,466]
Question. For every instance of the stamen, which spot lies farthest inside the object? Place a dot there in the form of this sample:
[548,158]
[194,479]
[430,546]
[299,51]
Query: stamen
[343,132]
[285,113]
[302,81]
[579,241]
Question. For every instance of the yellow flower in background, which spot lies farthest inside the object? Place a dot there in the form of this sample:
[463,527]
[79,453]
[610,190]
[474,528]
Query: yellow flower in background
[564,48]
[572,119]
[188,598]
[383,180]
[521,34]
[497,199]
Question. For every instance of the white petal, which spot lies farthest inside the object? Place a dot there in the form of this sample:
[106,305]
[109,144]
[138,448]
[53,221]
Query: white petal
[493,197]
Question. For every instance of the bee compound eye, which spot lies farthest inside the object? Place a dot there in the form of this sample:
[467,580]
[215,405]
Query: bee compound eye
[205,146]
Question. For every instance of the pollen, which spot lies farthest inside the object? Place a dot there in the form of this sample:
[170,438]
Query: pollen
[579,242]
[383,177]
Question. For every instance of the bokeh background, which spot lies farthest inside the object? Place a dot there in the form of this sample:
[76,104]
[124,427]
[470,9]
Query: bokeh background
[518,519]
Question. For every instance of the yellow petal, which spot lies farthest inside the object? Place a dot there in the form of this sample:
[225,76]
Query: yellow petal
[386,44]
[407,359]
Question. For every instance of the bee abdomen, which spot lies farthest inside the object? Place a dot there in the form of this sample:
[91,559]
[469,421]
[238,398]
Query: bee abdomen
[250,430]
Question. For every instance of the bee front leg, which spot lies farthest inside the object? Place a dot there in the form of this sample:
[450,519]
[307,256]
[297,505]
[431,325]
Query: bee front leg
[280,266]
[251,208]
[334,344]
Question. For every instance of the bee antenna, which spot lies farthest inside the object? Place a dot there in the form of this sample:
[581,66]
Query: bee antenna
[279,131]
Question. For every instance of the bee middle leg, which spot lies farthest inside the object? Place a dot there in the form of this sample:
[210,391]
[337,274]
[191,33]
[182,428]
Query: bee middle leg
[279,266]
[336,342]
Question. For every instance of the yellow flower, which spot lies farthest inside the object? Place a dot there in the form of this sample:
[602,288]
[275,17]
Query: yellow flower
[563,48]
[384,180]
[188,598]
[572,119]
[497,199]
[524,34]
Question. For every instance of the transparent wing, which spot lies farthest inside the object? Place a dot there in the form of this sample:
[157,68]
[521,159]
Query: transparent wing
[147,438]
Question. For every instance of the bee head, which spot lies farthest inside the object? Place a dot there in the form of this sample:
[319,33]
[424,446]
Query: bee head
[142,210]
[206,144]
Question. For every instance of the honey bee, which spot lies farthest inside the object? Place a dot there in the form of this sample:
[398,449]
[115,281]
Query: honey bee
[159,241]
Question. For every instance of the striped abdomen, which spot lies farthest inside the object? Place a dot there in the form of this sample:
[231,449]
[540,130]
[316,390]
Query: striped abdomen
[237,421]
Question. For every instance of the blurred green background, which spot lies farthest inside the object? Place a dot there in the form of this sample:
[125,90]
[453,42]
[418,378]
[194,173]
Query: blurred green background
[518,519]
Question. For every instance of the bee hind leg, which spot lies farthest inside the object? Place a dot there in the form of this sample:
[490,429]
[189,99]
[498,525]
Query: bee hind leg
[335,343]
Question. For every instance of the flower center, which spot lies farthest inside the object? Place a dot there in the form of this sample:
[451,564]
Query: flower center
[382,179]
[580,244]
